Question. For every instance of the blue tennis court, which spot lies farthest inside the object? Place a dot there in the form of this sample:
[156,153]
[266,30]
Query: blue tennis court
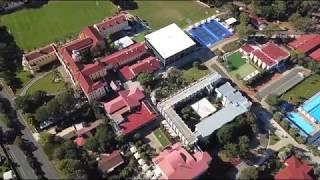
[209,33]
[300,122]
[312,106]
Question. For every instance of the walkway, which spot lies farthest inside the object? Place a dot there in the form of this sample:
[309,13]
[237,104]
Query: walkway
[34,80]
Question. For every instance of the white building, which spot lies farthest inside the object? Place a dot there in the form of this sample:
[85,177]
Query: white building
[170,43]
[173,120]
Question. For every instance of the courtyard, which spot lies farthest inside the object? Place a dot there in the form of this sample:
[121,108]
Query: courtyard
[161,137]
[51,83]
[238,66]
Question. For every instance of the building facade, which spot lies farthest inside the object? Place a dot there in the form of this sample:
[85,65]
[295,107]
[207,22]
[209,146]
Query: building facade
[34,60]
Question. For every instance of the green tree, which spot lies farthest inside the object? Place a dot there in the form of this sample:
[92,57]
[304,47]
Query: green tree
[284,124]
[277,116]
[42,114]
[92,144]
[5,119]
[145,79]
[249,173]
[244,146]
[225,134]
[232,150]
[72,169]
[196,64]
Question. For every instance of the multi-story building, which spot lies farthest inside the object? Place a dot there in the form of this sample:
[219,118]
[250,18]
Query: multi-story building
[173,121]
[175,162]
[170,43]
[267,56]
[112,25]
[34,60]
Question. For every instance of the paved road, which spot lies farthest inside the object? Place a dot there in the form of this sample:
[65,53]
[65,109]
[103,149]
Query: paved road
[46,166]
[283,84]
[25,89]
[18,157]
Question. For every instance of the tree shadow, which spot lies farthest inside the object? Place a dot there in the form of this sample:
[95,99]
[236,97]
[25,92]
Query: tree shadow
[126,4]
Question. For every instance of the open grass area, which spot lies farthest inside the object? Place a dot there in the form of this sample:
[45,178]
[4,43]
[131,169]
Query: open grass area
[243,71]
[47,84]
[162,138]
[55,21]
[235,60]
[191,74]
[162,13]
[24,77]
[274,139]
[304,90]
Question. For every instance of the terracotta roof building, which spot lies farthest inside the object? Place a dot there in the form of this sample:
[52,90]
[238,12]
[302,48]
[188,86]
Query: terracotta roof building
[305,43]
[267,56]
[147,65]
[34,60]
[112,25]
[108,162]
[177,163]
[309,44]
[295,169]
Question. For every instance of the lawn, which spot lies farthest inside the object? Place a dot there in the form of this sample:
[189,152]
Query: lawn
[303,90]
[54,21]
[162,138]
[235,60]
[239,67]
[46,84]
[24,77]
[243,71]
[192,74]
[162,13]
[274,139]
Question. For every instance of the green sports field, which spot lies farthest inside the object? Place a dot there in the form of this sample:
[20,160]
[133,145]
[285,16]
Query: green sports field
[303,90]
[240,68]
[54,21]
[162,13]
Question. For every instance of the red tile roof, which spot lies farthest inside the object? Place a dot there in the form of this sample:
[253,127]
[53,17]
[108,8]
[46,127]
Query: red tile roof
[112,21]
[148,65]
[138,119]
[264,58]
[305,43]
[177,163]
[92,68]
[80,141]
[127,98]
[316,55]
[247,48]
[39,52]
[108,162]
[92,33]
[79,44]
[120,57]
[274,51]
[295,170]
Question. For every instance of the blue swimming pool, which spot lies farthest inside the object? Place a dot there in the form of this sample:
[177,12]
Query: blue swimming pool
[312,106]
[301,123]
[209,33]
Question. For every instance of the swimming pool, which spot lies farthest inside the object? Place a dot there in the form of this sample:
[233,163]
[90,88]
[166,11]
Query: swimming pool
[209,33]
[312,106]
[301,123]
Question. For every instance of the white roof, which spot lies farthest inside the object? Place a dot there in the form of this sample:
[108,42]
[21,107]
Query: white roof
[137,155]
[203,108]
[133,149]
[141,162]
[123,42]
[8,175]
[169,40]
[231,20]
